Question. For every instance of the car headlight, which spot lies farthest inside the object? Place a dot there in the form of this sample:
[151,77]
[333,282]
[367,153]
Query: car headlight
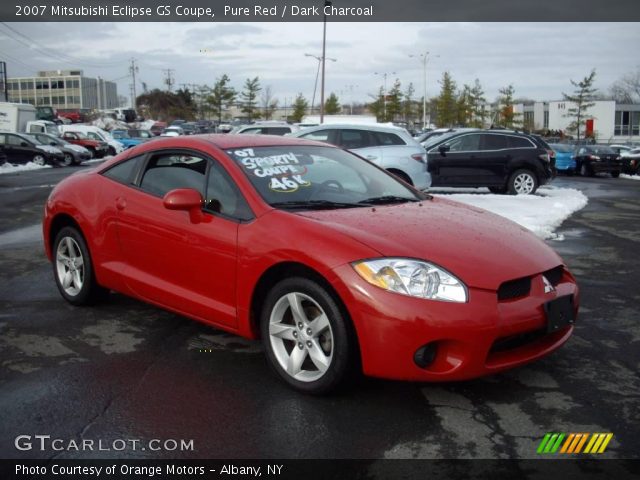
[413,278]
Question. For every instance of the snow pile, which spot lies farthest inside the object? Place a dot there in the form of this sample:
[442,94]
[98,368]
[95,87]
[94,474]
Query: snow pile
[541,213]
[10,168]
[630,177]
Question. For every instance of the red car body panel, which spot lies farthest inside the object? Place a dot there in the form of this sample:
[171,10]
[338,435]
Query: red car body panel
[168,258]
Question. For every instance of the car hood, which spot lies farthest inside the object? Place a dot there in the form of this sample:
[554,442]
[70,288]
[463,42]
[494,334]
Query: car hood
[480,248]
[49,149]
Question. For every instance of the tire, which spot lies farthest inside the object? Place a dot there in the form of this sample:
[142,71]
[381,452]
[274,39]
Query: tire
[72,267]
[498,190]
[39,160]
[92,151]
[401,175]
[615,174]
[68,160]
[112,151]
[522,182]
[586,170]
[311,357]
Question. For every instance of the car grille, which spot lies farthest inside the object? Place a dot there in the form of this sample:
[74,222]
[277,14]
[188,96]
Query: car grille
[512,342]
[522,286]
[514,289]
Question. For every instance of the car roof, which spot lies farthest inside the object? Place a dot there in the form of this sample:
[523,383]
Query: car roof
[357,126]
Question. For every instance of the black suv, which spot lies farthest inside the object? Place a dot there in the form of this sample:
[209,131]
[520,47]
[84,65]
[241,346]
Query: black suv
[505,161]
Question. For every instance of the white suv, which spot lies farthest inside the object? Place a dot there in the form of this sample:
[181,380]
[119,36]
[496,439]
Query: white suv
[391,148]
[266,128]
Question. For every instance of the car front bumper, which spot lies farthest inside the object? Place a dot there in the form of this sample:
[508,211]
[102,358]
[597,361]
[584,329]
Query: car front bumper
[473,339]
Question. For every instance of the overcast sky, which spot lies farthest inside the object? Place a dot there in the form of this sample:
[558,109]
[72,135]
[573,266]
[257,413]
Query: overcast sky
[537,58]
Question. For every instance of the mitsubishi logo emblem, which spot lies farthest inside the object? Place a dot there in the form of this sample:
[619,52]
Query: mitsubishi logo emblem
[548,288]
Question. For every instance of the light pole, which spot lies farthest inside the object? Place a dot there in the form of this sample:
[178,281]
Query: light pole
[327,3]
[315,85]
[425,58]
[384,90]
[350,88]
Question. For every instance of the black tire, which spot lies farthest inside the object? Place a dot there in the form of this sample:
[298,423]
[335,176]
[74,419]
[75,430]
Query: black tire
[615,174]
[112,151]
[39,159]
[402,176]
[313,299]
[498,190]
[586,170]
[88,292]
[522,182]
[68,160]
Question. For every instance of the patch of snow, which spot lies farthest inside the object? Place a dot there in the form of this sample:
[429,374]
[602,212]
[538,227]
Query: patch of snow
[630,177]
[541,213]
[10,168]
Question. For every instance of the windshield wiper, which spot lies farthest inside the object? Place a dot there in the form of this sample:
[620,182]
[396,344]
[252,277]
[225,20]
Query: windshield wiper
[314,204]
[386,199]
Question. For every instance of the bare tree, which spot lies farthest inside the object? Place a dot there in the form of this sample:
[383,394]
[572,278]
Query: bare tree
[268,102]
[627,88]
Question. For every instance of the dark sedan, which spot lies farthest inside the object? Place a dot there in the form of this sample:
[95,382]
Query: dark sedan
[22,148]
[73,154]
[592,159]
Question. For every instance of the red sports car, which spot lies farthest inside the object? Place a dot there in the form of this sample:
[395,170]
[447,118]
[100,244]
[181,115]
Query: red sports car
[333,262]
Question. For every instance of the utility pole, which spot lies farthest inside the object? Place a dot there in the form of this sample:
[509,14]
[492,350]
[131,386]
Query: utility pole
[350,89]
[133,69]
[425,58]
[315,85]
[327,3]
[169,80]
[384,91]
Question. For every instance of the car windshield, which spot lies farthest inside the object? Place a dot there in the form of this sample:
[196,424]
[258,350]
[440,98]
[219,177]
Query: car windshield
[120,134]
[602,150]
[80,135]
[310,177]
[562,148]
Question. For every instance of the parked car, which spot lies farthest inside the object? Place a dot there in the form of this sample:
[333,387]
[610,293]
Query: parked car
[98,149]
[592,159]
[124,137]
[418,288]
[142,134]
[96,133]
[23,148]
[391,148]
[172,131]
[157,128]
[504,161]
[630,161]
[189,128]
[265,128]
[73,154]
[565,161]
[74,115]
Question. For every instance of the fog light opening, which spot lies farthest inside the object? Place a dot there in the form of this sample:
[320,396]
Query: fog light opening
[426,355]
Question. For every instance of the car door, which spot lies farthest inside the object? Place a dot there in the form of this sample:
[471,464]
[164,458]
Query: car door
[17,152]
[183,262]
[458,164]
[491,166]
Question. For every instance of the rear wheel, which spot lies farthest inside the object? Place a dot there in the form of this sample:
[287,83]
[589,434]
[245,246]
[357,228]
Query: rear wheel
[522,182]
[305,336]
[402,176]
[615,174]
[73,269]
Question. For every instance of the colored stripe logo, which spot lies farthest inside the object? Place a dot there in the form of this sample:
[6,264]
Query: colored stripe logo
[573,443]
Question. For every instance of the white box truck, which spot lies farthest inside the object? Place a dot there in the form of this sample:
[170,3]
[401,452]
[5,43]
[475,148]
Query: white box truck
[21,118]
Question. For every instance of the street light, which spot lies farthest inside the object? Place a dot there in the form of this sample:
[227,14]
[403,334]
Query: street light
[327,3]
[315,85]
[384,91]
[425,58]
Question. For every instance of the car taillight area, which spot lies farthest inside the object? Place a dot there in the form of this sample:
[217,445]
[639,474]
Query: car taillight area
[420,157]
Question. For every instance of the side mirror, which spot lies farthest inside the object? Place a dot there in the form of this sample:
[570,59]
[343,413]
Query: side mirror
[444,149]
[186,199]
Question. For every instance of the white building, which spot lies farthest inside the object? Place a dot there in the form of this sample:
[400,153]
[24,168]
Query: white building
[612,122]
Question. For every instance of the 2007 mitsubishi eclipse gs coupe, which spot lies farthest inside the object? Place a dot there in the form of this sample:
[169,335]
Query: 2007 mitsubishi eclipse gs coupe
[335,264]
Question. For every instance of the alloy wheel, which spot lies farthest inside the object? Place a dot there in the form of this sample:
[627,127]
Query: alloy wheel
[523,184]
[39,160]
[70,266]
[301,337]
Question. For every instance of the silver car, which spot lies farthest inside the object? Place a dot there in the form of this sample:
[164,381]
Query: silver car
[391,148]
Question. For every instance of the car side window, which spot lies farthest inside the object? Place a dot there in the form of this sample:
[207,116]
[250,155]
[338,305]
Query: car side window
[168,171]
[15,141]
[223,195]
[519,142]
[277,130]
[124,172]
[385,138]
[253,131]
[318,135]
[93,136]
[494,142]
[465,143]
[350,139]
[70,135]
[3,139]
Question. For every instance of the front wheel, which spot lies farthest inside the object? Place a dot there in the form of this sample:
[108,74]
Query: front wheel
[522,182]
[39,160]
[586,171]
[305,336]
[73,269]
[68,160]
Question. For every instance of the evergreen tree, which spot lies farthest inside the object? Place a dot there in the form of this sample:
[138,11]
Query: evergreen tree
[222,95]
[269,103]
[581,101]
[463,107]
[300,106]
[408,106]
[446,101]
[332,105]
[377,106]
[394,102]
[506,115]
[250,97]
[477,103]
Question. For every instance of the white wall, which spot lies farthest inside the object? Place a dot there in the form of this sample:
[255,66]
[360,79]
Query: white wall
[603,113]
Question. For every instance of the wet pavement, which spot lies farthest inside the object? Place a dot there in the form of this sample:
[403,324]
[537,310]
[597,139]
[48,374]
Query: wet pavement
[127,370]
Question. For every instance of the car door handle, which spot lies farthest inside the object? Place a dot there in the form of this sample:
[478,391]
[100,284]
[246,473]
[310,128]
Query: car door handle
[121,203]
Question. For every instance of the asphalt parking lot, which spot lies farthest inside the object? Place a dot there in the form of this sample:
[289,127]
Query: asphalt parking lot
[125,369]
